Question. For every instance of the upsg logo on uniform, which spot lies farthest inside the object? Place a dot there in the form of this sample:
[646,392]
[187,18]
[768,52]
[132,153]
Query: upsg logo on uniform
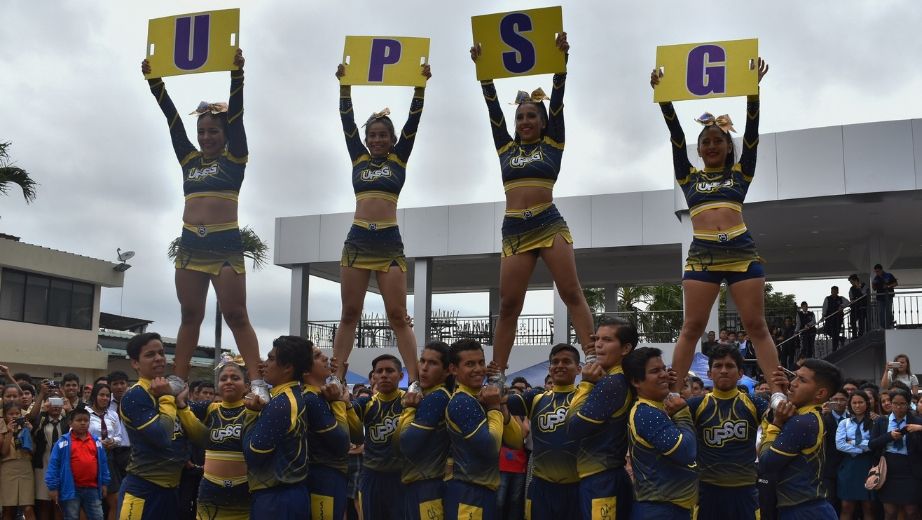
[193,43]
[385,60]
[519,43]
[706,70]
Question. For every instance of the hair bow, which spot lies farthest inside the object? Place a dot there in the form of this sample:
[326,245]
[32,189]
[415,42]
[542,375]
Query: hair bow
[377,115]
[536,96]
[723,122]
[209,108]
[227,359]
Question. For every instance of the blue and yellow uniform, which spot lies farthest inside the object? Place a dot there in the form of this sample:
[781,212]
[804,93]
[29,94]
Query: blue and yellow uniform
[328,453]
[729,253]
[276,456]
[554,489]
[475,437]
[159,450]
[423,442]
[534,164]
[663,452]
[219,428]
[795,455]
[380,492]
[209,247]
[598,419]
[726,424]
[377,246]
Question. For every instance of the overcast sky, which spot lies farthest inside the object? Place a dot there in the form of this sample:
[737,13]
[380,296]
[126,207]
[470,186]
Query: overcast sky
[84,124]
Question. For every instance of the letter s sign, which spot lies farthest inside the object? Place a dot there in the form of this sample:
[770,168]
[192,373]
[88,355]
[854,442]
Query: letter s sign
[522,58]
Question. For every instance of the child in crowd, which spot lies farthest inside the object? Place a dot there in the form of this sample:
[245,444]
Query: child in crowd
[17,484]
[78,473]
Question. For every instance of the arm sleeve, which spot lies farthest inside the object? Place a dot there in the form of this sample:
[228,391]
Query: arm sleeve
[408,135]
[195,430]
[781,446]
[322,421]
[501,135]
[882,438]
[555,127]
[156,424]
[750,138]
[680,162]
[841,437]
[53,472]
[674,438]
[236,135]
[418,425]
[520,405]
[181,144]
[512,434]
[604,399]
[351,132]
[356,428]
[105,476]
[268,431]
[484,431]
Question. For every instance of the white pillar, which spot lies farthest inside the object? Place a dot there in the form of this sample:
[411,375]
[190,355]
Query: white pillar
[688,231]
[422,300]
[561,319]
[611,298]
[300,290]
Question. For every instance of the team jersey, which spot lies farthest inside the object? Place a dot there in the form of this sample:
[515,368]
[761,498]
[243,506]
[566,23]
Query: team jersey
[327,431]
[379,178]
[159,446]
[423,438]
[598,418]
[476,436]
[554,451]
[380,414]
[726,424]
[273,444]
[795,454]
[219,177]
[714,187]
[663,451]
[535,164]
[218,427]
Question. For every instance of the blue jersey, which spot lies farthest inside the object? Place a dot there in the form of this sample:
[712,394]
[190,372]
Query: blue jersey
[159,446]
[663,452]
[476,436]
[273,445]
[795,455]
[327,432]
[598,418]
[726,424]
[381,415]
[528,164]
[554,453]
[218,427]
[423,437]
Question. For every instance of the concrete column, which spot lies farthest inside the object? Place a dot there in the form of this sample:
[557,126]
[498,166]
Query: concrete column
[300,289]
[611,298]
[688,231]
[561,319]
[422,300]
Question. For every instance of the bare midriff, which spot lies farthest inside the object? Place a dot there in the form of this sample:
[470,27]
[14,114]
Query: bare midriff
[226,468]
[209,210]
[717,219]
[375,210]
[527,197]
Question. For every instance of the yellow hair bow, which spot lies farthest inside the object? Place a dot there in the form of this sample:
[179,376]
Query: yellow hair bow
[536,96]
[209,108]
[723,122]
[377,115]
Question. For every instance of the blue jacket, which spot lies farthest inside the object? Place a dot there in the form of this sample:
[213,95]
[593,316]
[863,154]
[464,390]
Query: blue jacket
[59,476]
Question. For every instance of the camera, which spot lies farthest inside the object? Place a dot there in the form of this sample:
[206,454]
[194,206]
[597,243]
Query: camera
[21,422]
[56,401]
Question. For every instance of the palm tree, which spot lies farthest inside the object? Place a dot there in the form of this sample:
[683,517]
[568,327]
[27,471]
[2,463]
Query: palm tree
[253,248]
[11,174]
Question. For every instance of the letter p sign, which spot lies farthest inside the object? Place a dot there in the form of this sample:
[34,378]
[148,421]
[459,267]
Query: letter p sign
[385,60]
[384,52]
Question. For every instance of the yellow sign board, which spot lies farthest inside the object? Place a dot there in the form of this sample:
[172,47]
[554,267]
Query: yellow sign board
[519,43]
[385,60]
[193,43]
[707,70]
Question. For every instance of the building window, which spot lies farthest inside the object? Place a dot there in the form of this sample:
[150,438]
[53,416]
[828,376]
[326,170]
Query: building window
[46,300]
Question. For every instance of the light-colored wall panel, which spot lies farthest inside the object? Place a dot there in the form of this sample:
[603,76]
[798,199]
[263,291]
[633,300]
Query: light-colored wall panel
[577,211]
[810,163]
[333,231]
[764,185]
[297,239]
[471,228]
[423,231]
[917,148]
[660,225]
[614,219]
[879,157]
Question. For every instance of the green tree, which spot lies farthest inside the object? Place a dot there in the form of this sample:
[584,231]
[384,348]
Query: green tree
[12,175]
[595,297]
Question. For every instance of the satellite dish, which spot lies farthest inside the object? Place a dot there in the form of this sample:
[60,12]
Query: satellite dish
[123,257]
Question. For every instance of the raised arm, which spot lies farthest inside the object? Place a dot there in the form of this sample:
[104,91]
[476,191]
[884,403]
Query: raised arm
[593,404]
[501,135]
[152,417]
[181,144]
[751,134]
[190,418]
[418,425]
[236,135]
[408,136]
[680,163]
[261,437]
[322,421]
[347,116]
[555,127]
[673,437]
[780,444]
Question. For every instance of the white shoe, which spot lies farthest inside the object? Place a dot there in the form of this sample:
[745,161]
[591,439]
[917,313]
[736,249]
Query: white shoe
[176,384]
[260,389]
[777,398]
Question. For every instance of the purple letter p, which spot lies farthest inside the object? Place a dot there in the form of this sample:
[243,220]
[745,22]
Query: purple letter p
[383,52]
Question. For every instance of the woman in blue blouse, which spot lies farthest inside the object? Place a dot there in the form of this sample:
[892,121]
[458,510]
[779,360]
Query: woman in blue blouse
[897,436]
[853,438]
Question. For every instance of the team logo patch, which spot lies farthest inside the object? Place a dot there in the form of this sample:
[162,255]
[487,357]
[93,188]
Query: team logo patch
[231,431]
[717,436]
[200,174]
[522,159]
[202,231]
[549,422]
[373,175]
[382,432]
[712,186]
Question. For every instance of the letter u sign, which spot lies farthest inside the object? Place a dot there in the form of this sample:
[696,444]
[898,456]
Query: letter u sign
[193,43]
[706,70]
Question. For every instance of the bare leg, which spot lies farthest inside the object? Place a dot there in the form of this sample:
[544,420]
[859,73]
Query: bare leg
[191,290]
[514,274]
[231,289]
[749,296]
[393,286]
[562,264]
[698,299]
[352,287]
[848,510]
[867,508]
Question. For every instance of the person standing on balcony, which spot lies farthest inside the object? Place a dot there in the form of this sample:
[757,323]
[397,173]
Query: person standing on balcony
[806,328]
[533,227]
[833,307]
[722,247]
[379,168]
[858,294]
[884,285]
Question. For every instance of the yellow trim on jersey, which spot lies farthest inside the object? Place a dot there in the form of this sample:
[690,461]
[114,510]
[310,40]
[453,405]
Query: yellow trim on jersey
[564,388]
[716,235]
[225,194]
[704,206]
[234,456]
[377,194]
[223,481]
[210,228]
[532,211]
[528,182]
[366,224]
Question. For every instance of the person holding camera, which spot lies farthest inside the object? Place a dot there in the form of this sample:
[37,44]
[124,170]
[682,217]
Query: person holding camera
[17,485]
[52,423]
